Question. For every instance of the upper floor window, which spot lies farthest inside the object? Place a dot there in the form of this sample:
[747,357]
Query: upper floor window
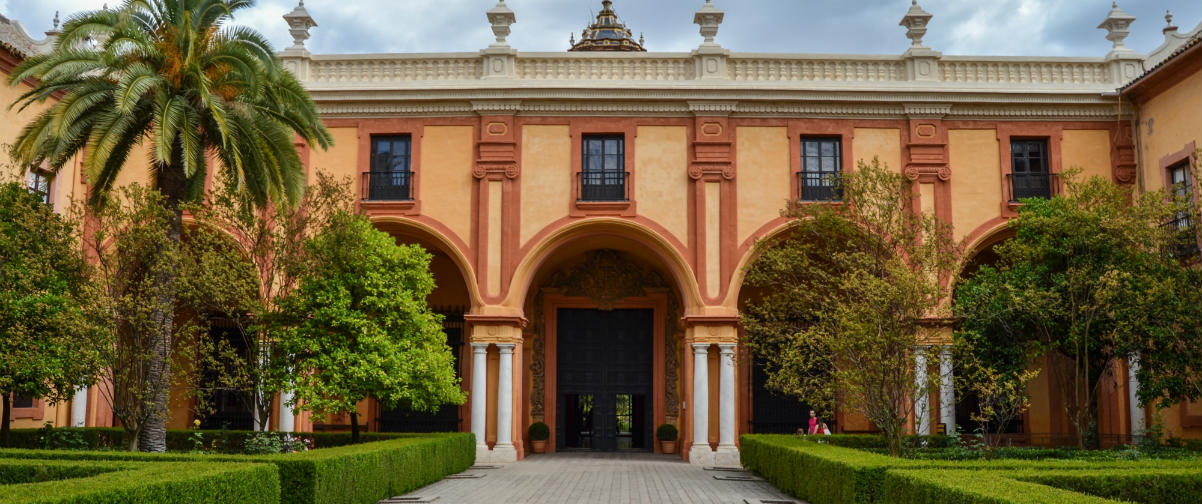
[821,166]
[21,401]
[603,168]
[39,184]
[1029,174]
[390,178]
[1182,186]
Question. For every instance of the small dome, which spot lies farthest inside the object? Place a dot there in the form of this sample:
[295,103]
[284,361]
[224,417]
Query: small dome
[607,34]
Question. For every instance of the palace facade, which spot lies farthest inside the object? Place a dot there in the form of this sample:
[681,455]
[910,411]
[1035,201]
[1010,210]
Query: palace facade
[592,211]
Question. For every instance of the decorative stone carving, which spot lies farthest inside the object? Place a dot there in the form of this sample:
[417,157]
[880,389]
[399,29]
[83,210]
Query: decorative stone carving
[606,277]
[501,16]
[1117,24]
[915,21]
[299,22]
[509,170]
[708,17]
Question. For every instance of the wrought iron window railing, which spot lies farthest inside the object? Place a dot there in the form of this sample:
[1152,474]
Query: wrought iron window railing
[388,186]
[604,185]
[1032,185]
[1184,235]
[819,186]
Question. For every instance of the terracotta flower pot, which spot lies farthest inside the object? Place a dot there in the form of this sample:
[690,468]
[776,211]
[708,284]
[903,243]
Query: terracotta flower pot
[668,447]
[539,446]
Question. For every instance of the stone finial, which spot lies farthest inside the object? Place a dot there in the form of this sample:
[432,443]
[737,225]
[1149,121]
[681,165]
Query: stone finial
[915,21]
[708,17]
[1168,23]
[299,22]
[501,16]
[1117,24]
[641,39]
[54,31]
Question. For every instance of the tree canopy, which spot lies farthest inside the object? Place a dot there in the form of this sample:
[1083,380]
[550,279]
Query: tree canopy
[360,326]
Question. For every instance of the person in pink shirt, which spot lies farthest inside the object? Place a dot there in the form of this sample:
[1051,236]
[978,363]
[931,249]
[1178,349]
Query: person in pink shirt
[813,423]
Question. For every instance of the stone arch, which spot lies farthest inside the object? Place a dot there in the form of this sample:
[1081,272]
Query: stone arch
[749,252]
[611,233]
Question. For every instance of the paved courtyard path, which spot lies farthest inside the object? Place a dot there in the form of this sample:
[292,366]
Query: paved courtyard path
[568,478]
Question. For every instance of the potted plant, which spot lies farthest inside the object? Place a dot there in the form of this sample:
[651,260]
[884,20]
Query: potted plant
[666,434]
[538,434]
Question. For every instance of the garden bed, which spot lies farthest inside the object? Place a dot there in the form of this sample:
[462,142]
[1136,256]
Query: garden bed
[823,473]
[352,474]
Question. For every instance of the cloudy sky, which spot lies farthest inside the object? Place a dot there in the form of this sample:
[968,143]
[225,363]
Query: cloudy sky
[980,27]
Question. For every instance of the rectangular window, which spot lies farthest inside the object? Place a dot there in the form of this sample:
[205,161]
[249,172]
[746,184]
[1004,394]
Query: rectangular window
[1182,186]
[1029,174]
[21,401]
[390,178]
[603,168]
[821,167]
[39,184]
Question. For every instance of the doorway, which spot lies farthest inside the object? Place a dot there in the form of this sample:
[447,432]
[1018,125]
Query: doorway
[605,375]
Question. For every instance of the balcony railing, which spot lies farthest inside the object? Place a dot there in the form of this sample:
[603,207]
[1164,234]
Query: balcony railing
[604,186]
[1033,185]
[819,186]
[387,186]
[1184,236]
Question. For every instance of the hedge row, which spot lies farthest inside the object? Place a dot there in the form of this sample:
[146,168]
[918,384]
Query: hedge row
[824,474]
[181,440]
[15,472]
[162,482]
[363,473]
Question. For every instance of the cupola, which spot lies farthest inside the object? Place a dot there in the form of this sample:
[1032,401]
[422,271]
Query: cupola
[607,34]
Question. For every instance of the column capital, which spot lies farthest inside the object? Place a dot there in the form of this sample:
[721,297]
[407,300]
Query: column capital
[505,348]
[480,346]
[726,348]
[701,348]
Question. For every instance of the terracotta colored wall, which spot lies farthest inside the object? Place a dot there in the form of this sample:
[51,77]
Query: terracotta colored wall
[545,181]
[661,180]
[764,176]
[446,176]
[976,178]
[1168,122]
[882,143]
[1088,150]
[341,160]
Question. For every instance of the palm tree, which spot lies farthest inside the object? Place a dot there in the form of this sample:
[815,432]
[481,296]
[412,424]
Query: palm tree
[176,76]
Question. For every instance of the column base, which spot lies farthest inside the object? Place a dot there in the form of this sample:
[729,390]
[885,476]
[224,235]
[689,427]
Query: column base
[499,454]
[701,455]
[727,456]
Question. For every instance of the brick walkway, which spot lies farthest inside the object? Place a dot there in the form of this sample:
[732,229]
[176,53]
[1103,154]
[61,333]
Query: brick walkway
[597,477]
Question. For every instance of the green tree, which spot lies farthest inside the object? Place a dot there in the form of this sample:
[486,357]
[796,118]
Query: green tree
[49,345]
[1088,276]
[176,76]
[845,295]
[361,327]
[270,241]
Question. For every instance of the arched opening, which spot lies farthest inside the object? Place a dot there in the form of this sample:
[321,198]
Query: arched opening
[452,298]
[604,344]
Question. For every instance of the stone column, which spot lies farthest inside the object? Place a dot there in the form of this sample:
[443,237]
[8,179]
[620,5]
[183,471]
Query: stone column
[287,419]
[79,407]
[1136,409]
[728,453]
[479,396]
[947,390]
[701,453]
[503,451]
[922,411]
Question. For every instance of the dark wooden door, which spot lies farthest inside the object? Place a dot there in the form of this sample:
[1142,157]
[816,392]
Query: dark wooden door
[773,412]
[604,379]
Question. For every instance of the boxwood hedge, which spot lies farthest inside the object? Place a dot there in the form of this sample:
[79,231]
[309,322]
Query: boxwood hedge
[362,473]
[181,440]
[825,474]
[136,483]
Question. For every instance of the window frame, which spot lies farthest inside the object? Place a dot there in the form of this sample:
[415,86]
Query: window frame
[623,175]
[838,170]
[1045,166]
[36,175]
[577,129]
[410,174]
[1185,159]
[35,411]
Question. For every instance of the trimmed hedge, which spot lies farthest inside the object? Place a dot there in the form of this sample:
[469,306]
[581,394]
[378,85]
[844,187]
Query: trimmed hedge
[363,473]
[137,483]
[180,440]
[824,474]
[15,472]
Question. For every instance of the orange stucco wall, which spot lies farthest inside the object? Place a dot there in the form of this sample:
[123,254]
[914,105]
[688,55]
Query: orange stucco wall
[546,158]
[661,160]
[446,176]
[977,181]
[881,143]
[1088,150]
[763,160]
[1168,123]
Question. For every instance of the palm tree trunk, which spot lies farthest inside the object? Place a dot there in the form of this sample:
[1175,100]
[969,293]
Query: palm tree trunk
[153,437]
[4,427]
